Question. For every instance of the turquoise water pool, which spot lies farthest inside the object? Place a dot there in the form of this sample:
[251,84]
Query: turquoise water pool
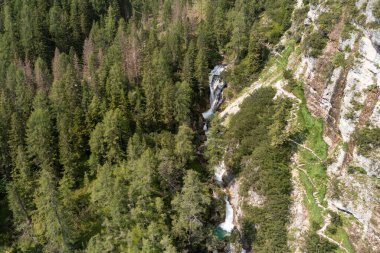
[220,233]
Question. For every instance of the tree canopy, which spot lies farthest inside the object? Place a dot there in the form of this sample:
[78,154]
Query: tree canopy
[100,118]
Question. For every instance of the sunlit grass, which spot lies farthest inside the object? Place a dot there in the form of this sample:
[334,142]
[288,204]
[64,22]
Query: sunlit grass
[342,237]
[315,212]
[313,140]
[315,167]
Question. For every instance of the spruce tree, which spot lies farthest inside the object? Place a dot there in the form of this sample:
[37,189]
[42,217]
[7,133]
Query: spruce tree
[191,207]
[51,222]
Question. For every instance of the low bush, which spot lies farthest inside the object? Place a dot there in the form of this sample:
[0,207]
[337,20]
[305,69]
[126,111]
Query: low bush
[376,9]
[368,139]
[339,60]
[263,166]
[314,44]
[317,244]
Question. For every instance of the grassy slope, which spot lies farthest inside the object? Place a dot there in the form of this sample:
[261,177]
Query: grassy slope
[316,169]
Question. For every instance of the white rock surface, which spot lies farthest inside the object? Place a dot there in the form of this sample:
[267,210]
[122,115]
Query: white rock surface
[305,68]
[359,79]
[375,117]
[329,90]
[370,165]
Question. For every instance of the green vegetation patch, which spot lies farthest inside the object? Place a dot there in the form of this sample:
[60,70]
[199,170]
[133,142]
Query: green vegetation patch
[376,9]
[339,59]
[368,139]
[261,161]
[315,167]
[314,44]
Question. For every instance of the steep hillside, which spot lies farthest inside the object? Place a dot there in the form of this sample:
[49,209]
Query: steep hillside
[146,126]
[329,59]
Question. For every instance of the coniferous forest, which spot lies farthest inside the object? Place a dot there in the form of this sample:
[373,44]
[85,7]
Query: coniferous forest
[101,129]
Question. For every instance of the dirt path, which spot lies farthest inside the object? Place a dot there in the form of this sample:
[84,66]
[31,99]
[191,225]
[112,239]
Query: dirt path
[234,107]
[326,216]
[321,232]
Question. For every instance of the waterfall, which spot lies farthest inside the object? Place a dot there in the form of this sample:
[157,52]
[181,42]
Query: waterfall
[228,223]
[220,170]
[216,85]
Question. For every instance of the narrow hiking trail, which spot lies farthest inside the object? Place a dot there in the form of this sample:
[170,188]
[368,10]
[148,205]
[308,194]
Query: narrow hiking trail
[325,210]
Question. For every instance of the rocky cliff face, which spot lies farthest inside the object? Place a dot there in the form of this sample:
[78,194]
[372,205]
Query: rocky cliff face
[346,97]
[341,87]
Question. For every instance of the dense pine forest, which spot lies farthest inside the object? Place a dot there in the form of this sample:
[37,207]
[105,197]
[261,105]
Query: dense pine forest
[101,132]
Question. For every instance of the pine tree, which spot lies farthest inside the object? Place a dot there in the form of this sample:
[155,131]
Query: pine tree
[116,88]
[81,14]
[182,102]
[66,96]
[16,135]
[20,194]
[256,53]
[191,207]
[5,161]
[184,147]
[39,132]
[215,142]
[102,190]
[9,41]
[188,65]
[109,139]
[111,22]
[50,221]
[136,146]
[141,174]
[58,28]
[167,109]
[33,29]
[42,75]
[116,134]
[201,70]
[239,41]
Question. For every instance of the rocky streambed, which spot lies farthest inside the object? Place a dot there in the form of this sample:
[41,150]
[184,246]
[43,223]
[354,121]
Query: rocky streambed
[221,173]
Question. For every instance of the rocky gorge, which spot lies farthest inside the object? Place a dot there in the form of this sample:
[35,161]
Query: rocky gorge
[341,88]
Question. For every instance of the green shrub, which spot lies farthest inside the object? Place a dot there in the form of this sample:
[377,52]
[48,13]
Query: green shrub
[263,166]
[317,244]
[356,106]
[373,25]
[315,226]
[314,44]
[361,19]
[326,22]
[350,115]
[335,219]
[352,169]
[368,139]
[336,191]
[339,59]
[331,229]
[376,9]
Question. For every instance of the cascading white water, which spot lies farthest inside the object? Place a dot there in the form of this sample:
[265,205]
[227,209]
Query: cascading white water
[216,85]
[228,224]
[220,170]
